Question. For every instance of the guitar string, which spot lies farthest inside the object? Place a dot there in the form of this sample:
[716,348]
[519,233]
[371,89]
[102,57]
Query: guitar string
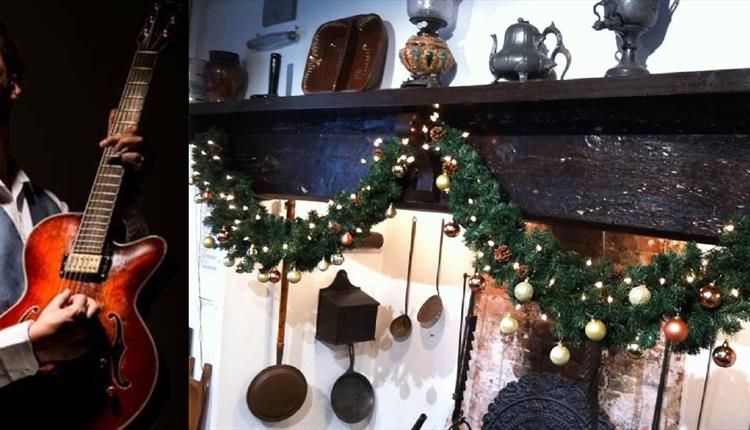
[129,92]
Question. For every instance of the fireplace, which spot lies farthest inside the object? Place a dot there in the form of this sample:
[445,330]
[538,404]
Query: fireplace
[542,401]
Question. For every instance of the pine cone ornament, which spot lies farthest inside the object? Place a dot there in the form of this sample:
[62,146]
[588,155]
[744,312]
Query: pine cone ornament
[437,133]
[335,227]
[450,167]
[503,253]
[522,272]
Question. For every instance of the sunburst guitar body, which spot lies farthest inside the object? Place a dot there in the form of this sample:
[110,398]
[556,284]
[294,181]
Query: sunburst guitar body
[110,386]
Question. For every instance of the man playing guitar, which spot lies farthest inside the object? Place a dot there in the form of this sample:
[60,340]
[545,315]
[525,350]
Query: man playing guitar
[60,332]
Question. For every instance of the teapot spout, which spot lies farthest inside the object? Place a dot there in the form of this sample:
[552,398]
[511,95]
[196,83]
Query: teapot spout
[494,45]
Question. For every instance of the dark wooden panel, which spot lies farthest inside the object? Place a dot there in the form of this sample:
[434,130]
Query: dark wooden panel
[662,155]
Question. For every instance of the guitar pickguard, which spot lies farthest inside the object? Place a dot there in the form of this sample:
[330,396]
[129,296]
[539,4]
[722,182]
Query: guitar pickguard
[117,350]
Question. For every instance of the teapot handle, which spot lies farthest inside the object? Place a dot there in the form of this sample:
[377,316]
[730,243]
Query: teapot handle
[559,49]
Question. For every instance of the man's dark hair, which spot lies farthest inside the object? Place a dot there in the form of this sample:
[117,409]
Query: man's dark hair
[9,54]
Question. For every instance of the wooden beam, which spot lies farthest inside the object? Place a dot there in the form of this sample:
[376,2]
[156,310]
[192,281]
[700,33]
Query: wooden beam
[664,155]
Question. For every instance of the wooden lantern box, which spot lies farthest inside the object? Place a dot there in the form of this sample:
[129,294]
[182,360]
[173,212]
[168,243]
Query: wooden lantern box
[346,314]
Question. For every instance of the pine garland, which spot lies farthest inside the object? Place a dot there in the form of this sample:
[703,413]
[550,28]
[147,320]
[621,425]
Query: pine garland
[567,286]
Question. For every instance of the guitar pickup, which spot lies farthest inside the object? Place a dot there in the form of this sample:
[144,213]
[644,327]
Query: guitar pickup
[85,267]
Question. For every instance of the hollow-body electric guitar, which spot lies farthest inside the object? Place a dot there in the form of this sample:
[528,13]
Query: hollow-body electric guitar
[108,387]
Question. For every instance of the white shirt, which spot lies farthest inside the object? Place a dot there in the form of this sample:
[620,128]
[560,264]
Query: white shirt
[17,359]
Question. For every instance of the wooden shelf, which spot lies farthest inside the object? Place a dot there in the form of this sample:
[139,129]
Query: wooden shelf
[662,154]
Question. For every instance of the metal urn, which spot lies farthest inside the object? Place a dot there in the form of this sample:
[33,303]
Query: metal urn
[524,55]
[629,19]
[426,56]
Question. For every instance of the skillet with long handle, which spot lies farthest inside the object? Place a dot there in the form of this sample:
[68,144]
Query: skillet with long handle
[279,391]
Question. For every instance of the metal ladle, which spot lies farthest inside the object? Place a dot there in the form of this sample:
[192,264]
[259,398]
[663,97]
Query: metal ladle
[401,327]
[432,309]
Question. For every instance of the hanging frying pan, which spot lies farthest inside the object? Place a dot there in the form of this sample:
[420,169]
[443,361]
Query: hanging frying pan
[279,391]
[352,396]
[401,327]
[432,309]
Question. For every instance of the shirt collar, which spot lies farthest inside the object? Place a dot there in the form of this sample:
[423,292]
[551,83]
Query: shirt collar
[15,191]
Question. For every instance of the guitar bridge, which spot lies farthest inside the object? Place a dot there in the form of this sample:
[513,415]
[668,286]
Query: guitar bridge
[85,267]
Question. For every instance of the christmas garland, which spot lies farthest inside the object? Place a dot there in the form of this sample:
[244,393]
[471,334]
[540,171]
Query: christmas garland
[691,296]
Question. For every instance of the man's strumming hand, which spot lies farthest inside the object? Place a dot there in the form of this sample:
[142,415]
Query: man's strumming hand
[63,329]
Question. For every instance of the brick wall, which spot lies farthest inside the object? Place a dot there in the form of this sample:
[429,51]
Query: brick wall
[627,387]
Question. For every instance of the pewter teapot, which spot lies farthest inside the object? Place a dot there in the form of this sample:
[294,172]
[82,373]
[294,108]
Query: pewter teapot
[524,55]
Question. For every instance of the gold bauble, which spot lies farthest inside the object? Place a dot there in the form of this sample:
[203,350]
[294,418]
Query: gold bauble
[337,259]
[209,242]
[390,212]
[635,351]
[524,291]
[639,295]
[323,265]
[508,324]
[294,276]
[596,330]
[228,261]
[559,355]
[262,277]
[443,182]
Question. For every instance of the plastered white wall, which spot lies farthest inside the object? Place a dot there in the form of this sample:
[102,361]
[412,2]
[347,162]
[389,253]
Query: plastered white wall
[239,315]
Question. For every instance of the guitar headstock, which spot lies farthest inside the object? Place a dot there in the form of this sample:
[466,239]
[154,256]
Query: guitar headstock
[159,29]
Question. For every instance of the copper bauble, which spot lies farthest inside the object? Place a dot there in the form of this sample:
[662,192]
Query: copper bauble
[709,296]
[223,235]
[675,329]
[451,229]
[476,282]
[346,239]
[377,154]
[273,276]
[724,355]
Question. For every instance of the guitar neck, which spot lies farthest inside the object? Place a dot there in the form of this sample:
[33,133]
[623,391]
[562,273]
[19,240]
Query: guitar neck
[97,216]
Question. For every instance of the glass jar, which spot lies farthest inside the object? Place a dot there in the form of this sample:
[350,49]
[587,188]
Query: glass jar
[224,77]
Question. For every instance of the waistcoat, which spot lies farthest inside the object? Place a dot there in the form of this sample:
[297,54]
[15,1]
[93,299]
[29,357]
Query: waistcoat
[12,280]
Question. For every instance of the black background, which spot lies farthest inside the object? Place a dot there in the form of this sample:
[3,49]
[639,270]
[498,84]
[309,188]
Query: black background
[77,55]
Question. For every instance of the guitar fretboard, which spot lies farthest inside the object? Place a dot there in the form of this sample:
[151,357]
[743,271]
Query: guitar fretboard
[97,216]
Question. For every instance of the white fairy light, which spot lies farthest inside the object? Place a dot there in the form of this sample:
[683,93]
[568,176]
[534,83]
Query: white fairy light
[583,297]
[539,247]
[235,228]
[265,249]
[518,306]
[734,292]
[353,196]
[368,188]
[257,217]
[465,134]
[516,265]
[729,228]
[473,218]
[628,280]
[358,230]
[410,159]
[437,149]
[363,161]
[311,225]
[339,207]
[232,207]
[690,278]
[237,222]
[491,243]
[471,201]
[210,142]
[377,142]
[486,268]
[436,105]
[662,281]
[216,157]
[204,152]
[405,141]
[424,129]
[544,317]
[230,197]
[552,282]
[244,208]
[599,284]
[309,237]
[480,254]
[285,246]
[425,147]
[229,177]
